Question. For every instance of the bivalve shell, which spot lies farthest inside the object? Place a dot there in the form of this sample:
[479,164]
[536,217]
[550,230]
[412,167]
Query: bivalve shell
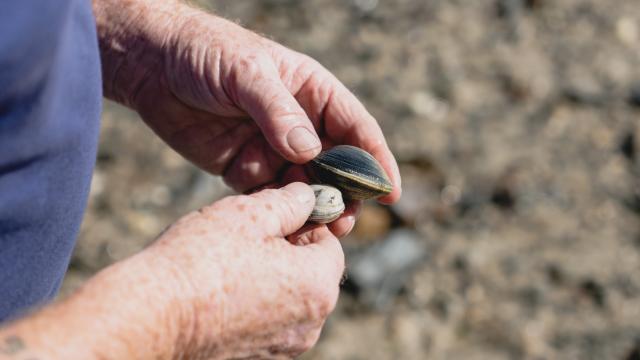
[352,170]
[329,204]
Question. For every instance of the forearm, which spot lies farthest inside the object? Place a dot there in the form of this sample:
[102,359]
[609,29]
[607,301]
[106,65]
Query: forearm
[108,318]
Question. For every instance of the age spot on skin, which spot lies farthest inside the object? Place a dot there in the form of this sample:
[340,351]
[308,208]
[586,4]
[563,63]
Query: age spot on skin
[269,207]
[227,289]
[254,218]
[11,345]
[241,207]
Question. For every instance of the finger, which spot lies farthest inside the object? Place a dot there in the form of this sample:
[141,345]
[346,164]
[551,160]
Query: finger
[348,122]
[342,226]
[295,173]
[324,257]
[280,212]
[303,236]
[255,165]
[296,340]
[287,174]
[212,149]
[336,111]
[283,122]
[209,144]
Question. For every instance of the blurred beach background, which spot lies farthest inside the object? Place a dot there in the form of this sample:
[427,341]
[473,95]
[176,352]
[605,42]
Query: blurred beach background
[515,124]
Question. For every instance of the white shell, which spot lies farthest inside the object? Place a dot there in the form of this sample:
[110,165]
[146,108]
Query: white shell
[329,204]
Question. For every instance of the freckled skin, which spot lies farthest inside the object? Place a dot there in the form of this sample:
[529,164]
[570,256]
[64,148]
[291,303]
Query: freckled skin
[219,282]
[261,295]
[226,98]
[223,96]
[206,289]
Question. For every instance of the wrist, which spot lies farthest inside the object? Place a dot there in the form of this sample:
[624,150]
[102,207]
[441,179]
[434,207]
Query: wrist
[131,310]
[201,319]
[156,312]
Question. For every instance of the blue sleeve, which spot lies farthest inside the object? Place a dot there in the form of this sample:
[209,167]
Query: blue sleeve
[50,98]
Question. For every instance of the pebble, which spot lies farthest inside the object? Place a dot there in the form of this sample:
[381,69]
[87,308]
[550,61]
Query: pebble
[373,223]
[97,184]
[634,95]
[382,270]
[627,31]
[423,104]
[450,195]
[366,5]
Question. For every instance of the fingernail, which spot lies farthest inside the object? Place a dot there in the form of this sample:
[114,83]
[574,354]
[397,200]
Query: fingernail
[301,140]
[302,192]
[352,220]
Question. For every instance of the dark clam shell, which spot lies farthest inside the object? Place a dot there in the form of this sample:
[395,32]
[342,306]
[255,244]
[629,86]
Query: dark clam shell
[352,170]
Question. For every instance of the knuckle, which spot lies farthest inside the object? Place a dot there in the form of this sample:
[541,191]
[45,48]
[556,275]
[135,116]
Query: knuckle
[274,207]
[295,341]
[303,343]
[266,197]
[288,198]
[310,341]
[289,207]
[311,63]
[281,106]
[251,65]
[321,301]
[327,301]
[297,344]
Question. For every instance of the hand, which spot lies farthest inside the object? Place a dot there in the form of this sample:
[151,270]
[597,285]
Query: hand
[238,279]
[232,102]
[253,293]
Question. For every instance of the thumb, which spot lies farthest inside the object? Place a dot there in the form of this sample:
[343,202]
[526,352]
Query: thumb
[282,120]
[283,211]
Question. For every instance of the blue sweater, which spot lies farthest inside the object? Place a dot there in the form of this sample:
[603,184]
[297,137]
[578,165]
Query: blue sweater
[50,99]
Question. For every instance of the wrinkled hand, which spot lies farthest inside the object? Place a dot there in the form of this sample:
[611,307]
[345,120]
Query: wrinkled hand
[239,279]
[253,293]
[235,103]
